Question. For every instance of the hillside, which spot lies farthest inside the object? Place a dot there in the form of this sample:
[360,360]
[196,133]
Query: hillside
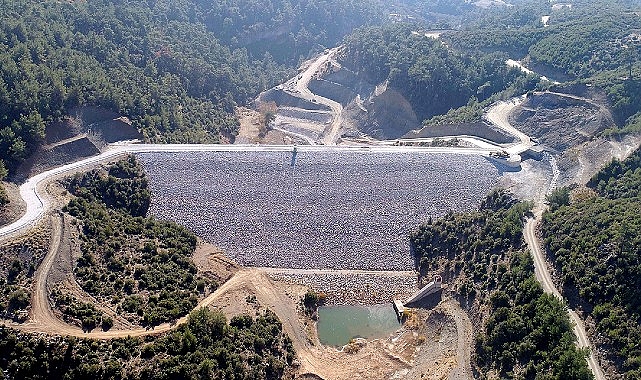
[175,70]
[521,332]
[206,347]
[594,239]
[592,43]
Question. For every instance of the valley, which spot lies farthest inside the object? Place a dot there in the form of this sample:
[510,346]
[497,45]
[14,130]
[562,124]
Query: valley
[204,188]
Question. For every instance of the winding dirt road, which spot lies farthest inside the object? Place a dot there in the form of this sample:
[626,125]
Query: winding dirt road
[544,277]
[302,86]
[42,318]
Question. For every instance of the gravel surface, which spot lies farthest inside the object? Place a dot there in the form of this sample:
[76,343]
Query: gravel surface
[335,210]
[354,289]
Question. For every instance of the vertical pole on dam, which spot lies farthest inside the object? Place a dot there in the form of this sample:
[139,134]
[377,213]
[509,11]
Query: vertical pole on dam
[294,153]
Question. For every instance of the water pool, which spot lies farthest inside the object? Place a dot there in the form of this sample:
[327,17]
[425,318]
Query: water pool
[337,325]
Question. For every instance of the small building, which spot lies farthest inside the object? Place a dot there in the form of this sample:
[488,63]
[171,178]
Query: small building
[428,289]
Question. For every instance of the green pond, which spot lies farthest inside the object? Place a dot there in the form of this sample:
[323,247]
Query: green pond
[337,325]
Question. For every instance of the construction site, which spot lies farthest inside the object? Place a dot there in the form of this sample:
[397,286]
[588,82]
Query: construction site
[276,221]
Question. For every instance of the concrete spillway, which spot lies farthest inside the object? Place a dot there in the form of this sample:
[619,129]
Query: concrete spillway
[428,289]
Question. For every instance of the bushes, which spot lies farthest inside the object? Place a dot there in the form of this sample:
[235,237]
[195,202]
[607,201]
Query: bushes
[4,197]
[18,299]
[205,347]
[557,198]
[596,243]
[140,265]
[19,259]
[419,67]
[524,332]
[312,300]
[124,188]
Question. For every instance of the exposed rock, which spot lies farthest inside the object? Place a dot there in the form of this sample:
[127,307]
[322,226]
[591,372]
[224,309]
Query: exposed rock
[51,156]
[384,115]
[560,121]
[284,98]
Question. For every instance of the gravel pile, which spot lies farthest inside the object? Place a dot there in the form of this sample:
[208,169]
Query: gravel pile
[331,210]
[354,289]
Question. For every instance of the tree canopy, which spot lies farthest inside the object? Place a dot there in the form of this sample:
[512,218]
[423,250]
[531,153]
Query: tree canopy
[596,243]
[525,333]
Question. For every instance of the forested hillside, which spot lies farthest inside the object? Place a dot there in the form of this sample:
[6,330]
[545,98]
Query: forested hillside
[523,332]
[286,29]
[596,244]
[141,267]
[206,347]
[175,69]
[592,43]
[431,76]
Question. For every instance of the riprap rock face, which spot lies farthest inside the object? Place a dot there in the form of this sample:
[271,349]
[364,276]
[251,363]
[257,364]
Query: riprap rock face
[339,210]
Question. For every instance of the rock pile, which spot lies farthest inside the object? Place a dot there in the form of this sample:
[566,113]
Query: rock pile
[330,210]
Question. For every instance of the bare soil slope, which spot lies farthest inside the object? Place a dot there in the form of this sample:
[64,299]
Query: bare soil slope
[15,208]
[561,121]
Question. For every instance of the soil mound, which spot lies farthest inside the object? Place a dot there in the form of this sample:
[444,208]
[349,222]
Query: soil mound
[104,126]
[51,156]
[560,120]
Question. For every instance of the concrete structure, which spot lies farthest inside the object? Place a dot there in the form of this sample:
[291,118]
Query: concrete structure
[428,289]
[399,308]
[535,152]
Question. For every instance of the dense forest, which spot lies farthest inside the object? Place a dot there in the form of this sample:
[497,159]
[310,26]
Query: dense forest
[525,332]
[175,69]
[596,245]
[141,266]
[206,347]
[287,29]
[431,76]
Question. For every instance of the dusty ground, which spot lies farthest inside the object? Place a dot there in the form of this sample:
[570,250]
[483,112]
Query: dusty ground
[445,354]
[80,135]
[579,163]
[560,121]
[530,182]
[250,128]
[438,348]
[250,290]
[212,263]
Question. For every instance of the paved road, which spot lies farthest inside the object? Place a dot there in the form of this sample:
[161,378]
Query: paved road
[513,63]
[37,204]
[302,86]
[498,115]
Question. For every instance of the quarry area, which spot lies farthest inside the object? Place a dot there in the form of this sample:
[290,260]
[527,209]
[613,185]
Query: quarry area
[274,223]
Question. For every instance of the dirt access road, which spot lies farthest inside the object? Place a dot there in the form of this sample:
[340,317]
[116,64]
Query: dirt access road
[314,358]
[544,277]
[302,87]
[377,359]
[43,320]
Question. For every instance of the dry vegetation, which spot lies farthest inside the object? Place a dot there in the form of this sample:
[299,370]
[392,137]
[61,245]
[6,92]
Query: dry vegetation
[19,259]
